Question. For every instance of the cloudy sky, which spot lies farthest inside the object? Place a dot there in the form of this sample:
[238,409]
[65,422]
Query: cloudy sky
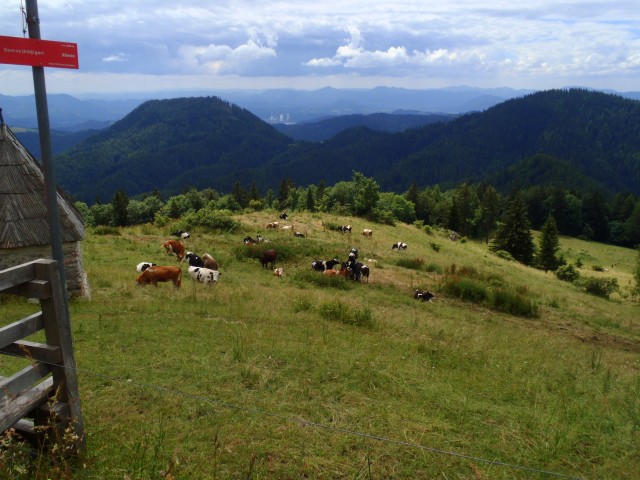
[155,45]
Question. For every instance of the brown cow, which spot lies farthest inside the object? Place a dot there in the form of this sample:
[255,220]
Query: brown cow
[153,275]
[209,262]
[367,232]
[174,247]
[268,257]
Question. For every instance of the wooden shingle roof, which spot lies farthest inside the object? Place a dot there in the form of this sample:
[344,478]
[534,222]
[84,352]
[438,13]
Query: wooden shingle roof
[23,207]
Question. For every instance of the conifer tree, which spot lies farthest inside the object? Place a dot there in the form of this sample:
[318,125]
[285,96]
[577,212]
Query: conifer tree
[636,273]
[549,245]
[514,233]
[120,204]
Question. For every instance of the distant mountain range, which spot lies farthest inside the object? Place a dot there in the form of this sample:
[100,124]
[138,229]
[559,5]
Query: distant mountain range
[572,138]
[321,130]
[281,106]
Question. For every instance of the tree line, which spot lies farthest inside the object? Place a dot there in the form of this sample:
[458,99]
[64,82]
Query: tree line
[473,210]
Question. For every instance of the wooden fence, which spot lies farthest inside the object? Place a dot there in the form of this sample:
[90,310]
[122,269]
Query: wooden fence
[44,393]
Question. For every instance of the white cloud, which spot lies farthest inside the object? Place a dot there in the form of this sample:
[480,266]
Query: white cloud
[117,57]
[223,59]
[540,44]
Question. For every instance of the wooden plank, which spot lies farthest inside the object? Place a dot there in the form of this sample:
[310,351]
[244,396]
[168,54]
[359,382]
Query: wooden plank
[21,329]
[16,275]
[57,327]
[19,407]
[40,352]
[12,386]
[34,289]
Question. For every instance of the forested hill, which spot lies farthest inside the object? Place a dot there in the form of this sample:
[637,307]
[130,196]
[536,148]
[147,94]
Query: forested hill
[593,135]
[582,139]
[167,144]
[321,130]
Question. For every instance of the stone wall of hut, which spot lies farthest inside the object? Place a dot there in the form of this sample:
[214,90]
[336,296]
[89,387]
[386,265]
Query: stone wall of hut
[77,283]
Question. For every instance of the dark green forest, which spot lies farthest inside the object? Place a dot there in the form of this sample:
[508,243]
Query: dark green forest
[573,154]
[573,139]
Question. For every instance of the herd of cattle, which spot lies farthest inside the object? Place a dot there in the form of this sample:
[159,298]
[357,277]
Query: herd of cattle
[204,269]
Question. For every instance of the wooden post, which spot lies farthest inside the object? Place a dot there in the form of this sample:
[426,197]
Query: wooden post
[57,330]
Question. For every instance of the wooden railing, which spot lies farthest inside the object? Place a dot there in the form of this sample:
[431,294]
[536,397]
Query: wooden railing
[46,390]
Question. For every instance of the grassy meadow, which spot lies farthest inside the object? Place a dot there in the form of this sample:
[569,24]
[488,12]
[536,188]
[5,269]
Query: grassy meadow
[304,376]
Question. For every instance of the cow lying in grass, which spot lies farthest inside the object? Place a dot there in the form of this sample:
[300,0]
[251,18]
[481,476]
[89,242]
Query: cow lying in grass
[153,275]
[423,295]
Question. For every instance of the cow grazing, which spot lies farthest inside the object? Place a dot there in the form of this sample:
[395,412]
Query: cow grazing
[359,271]
[181,234]
[153,275]
[324,265]
[287,227]
[367,232]
[142,266]
[298,234]
[249,241]
[399,246]
[194,260]
[268,257]
[278,272]
[174,247]
[423,295]
[284,216]
[204,275]
[209,262]
[345,229]
[272,225]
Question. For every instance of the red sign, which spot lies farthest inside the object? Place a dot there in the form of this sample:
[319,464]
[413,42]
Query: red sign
[38,53]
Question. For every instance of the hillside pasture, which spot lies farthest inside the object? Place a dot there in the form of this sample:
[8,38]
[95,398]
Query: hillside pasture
[266,377]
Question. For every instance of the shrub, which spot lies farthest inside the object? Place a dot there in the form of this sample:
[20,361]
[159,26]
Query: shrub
[568,273]
[513,303]
[106,230]
[432,267]
[435,246]
[411,263]
[465,289]
[601,287]
[331,226]
[212,219]
[339,312]
[598,268]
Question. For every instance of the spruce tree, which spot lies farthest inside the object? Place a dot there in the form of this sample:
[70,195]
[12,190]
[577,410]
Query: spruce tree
[120,204]
[549,245]
[514,233]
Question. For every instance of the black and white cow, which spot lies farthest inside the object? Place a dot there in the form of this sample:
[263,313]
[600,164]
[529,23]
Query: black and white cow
[399,246]
[194,260]
[322,265]
[142,266]
[423,295]
[204,275]
[345,228]
[359,269]
[181,234]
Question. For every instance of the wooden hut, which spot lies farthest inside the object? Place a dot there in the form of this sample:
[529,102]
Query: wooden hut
[24,226]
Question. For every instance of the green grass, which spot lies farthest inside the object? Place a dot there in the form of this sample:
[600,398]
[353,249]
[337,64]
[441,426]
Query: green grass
[301,377]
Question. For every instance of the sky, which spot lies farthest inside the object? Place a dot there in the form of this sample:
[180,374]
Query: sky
[148,46]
